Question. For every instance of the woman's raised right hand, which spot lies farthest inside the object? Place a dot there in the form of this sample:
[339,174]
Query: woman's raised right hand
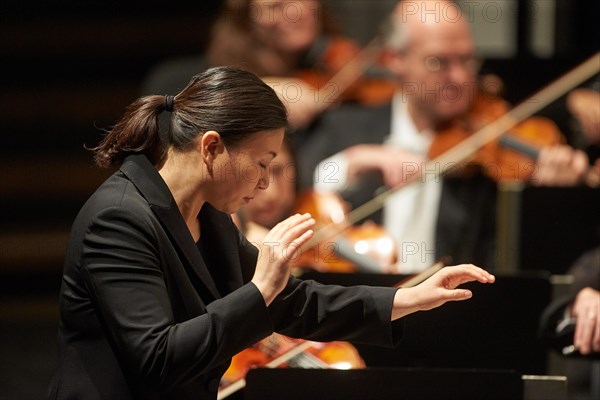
[278,247]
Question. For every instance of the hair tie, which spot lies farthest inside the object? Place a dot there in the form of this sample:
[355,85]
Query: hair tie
[169,100]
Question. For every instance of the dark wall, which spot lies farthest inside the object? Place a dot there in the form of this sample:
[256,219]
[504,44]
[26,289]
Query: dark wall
[68,71]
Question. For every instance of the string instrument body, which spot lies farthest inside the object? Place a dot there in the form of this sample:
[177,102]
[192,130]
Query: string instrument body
[497,159]
[367,247]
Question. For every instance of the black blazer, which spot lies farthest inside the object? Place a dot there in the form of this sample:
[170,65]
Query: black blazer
[466,224]
[141,316]
[586,273]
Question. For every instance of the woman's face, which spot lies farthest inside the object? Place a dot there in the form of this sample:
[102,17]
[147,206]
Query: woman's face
[275,203]
[286,25]
[242,172]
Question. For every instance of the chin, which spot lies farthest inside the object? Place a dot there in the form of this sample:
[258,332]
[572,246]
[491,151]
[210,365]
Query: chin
[451,111]
[227,208]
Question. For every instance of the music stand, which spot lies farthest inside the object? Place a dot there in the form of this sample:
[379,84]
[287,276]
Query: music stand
[382,384]
[496,329]
[551,227]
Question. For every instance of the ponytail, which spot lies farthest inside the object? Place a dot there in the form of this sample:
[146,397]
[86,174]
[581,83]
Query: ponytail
[136,132]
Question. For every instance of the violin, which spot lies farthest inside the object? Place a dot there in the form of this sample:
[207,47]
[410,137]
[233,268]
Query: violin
[339,75]
[511,156]
[279,351]
[500,160]
[342,74]
[367,247]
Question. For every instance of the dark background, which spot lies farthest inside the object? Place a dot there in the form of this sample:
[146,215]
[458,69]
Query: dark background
[68,71]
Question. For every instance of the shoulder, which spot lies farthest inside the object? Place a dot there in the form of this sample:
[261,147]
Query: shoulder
[117,192]
[117,199]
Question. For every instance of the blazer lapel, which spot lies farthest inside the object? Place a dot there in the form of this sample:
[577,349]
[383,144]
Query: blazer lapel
[145,177]
[220,237]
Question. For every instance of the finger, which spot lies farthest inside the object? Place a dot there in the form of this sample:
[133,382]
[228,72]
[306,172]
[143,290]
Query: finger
[458,295]
[388,177]
[294,248]
[580,163]
[279,230]
[548,164]
[279,226]
[298,226]
[562,157]
[584,331]
[596,337]
[294,232]
[470,272]
[545,156]
[578,336]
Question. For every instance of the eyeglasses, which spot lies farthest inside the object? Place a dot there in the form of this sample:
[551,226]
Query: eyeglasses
[442,63]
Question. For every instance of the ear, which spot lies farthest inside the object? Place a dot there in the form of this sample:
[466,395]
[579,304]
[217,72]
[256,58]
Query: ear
[210,146]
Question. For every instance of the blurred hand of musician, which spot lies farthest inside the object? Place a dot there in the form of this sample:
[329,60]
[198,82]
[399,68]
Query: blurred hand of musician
[584,104]
[395,164]
[586,309]
[560,165]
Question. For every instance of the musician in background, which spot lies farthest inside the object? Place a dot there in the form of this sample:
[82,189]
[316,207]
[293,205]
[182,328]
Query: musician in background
[571,326]
[277,39]
[584,105]
[435,60]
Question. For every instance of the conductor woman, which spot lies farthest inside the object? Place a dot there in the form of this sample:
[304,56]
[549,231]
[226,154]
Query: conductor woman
[160,289]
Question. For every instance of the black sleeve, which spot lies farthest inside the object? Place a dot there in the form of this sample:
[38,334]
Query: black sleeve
[359,314]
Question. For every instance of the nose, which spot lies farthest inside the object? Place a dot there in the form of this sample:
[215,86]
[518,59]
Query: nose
[460,73]
[263,181]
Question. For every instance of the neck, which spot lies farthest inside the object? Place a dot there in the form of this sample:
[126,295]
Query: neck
[420,119]
[185,189]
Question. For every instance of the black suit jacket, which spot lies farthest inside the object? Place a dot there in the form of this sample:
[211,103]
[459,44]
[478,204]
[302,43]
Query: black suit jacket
[141,316]
[586,273]
[466,225]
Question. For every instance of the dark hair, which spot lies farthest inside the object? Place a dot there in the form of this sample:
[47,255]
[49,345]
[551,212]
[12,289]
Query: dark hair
[231,101]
